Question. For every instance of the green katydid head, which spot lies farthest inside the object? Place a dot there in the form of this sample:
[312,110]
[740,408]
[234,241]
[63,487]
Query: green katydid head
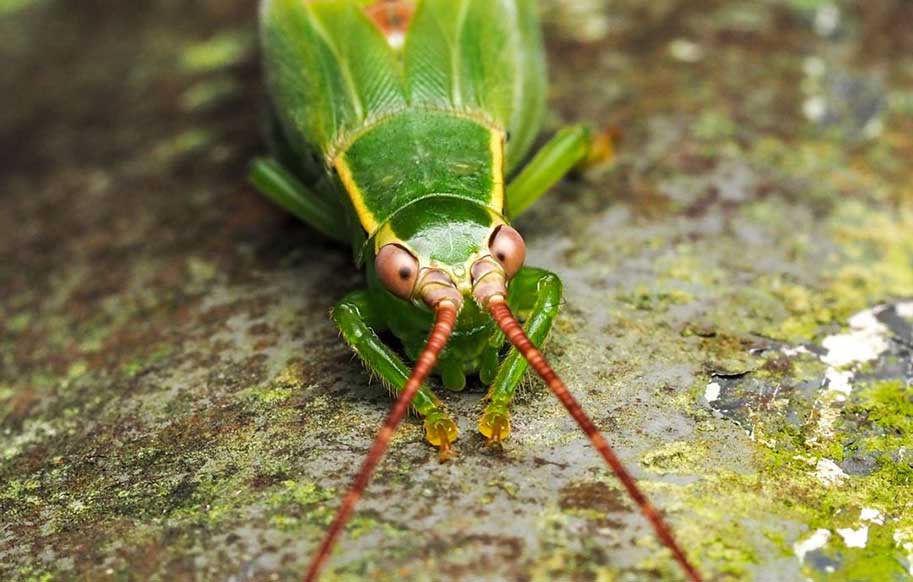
[444,247]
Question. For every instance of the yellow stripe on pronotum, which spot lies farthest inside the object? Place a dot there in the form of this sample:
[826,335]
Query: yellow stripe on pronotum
[369,221]
[497,171]
[365,216]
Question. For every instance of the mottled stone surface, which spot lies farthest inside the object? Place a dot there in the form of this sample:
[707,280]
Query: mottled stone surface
[176,405]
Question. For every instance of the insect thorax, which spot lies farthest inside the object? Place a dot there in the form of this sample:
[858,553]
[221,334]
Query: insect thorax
[417,154]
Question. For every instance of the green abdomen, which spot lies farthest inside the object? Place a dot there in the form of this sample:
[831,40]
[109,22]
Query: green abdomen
[419,153]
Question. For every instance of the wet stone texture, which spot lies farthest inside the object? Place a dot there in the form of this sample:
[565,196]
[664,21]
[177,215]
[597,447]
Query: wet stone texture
[176,405]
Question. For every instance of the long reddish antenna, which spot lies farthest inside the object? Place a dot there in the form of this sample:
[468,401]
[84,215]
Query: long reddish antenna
[511,328]
[445,319]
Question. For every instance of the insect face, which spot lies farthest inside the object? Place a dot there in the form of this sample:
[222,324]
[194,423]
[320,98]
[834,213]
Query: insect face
[426,260]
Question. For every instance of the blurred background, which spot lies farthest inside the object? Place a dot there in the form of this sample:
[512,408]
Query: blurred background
[176,405]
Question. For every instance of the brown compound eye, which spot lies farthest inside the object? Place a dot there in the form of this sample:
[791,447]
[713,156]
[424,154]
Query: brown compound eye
[508,248]
[397,269]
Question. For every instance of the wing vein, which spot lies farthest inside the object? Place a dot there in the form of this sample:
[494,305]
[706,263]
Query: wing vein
[344,66]
[456,62]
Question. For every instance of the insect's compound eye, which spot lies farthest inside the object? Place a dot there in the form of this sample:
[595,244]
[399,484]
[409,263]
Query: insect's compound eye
[508,248]
[397,269]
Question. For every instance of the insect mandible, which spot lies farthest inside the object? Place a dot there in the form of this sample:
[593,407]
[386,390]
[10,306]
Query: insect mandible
[393,126]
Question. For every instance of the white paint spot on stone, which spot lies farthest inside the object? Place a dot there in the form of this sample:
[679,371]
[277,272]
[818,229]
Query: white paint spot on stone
[712,392]
[905,309]
[685,50]
[854,538]
[793,352]
[816,541]
[866,340]
[850,348]
[904,540]
[829,473]
[815,108]
[872,515]
[838,381]
[873,128]
[868,319]
[827,19]
[814,66]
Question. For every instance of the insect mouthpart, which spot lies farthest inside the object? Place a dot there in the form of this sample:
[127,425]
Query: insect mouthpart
[491,272]
[488,280]
[435,286]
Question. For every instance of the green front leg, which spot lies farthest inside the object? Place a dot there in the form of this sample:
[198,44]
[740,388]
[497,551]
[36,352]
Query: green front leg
[357,316]
[534,296]
[282,187]
[568,148]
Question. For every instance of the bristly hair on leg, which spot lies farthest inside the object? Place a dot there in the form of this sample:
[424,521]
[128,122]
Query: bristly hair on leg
[497,306]
[445,320]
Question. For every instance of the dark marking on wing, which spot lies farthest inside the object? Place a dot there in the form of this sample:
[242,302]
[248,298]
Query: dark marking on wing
[392,17]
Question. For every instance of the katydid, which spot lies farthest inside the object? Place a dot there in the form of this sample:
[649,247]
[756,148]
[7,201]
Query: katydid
[394,125]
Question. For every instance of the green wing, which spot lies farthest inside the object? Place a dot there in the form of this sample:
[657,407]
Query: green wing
[481,56]
[331,71]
